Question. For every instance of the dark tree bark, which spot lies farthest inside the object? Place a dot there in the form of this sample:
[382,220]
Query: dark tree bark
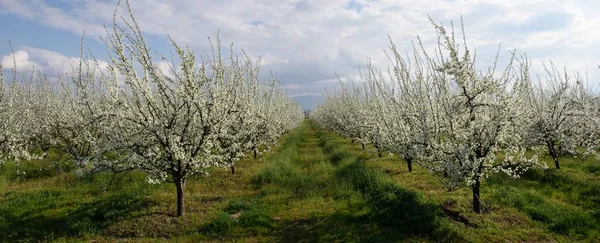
[409,164]
[476,198]
[363,146]
[560,150]
[180,184]
[232,169]
[553,153]
[255,153]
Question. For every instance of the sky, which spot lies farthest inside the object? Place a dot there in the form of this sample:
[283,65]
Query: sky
[307,44]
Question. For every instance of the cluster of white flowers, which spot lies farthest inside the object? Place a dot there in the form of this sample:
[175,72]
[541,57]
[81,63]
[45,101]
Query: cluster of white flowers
[132,115]
[461,123]
[562,115]
[15,119]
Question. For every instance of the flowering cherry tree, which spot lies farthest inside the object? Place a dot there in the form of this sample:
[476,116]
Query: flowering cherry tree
[264,114]
[67,112]
[274,115]
[557,113]
[467,117]
[391,116]
[587,131]
[171,124]
[460,123]
[14,119]
[131,113]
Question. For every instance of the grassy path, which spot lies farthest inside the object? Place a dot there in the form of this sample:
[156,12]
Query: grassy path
[314,190]
[314,187]
[318,191]
[542,206]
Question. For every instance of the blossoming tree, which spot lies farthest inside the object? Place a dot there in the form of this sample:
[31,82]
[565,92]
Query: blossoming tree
[460,123]
[171,125]
[557,113]
[14,119]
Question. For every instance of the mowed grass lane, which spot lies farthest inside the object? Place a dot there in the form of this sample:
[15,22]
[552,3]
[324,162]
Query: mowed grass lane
[314,187]
[542,206]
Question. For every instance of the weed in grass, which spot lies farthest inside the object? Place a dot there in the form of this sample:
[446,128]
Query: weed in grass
[252,213]
[97,215]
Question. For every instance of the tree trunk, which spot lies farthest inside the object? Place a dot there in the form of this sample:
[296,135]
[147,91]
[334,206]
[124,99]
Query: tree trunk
[352,140]
[363,146]
[232,169]
[378,150]
[476,198]
[255,153]
[180,184]
[409,164]
[553,153]
[560,149]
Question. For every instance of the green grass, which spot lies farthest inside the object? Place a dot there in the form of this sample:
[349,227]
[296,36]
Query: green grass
[314,187]
[44,212]
[543,205]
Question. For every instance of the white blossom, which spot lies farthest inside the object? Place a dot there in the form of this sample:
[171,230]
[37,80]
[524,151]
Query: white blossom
[440,111]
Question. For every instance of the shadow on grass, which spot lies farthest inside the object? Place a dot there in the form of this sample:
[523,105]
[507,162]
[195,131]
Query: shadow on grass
[391,208]
[394,208]
[584,193]
[377,209]
[242,218]
[51,214]
[581,221]
[559,218]
[339,227]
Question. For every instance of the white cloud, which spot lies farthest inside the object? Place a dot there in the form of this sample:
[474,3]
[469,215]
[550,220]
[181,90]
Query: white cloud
[49,62]
[166,69]
[305,42]
[19,61]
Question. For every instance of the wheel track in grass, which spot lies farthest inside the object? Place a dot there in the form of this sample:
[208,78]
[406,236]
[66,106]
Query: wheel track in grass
[504,221]
[364,205]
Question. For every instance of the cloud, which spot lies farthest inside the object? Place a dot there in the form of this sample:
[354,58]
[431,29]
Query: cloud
[65,17]
[49,62]
[306,42]
[19,61]
[166,69]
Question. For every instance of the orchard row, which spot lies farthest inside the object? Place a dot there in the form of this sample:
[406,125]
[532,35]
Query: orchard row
[129,114]
[438,110]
